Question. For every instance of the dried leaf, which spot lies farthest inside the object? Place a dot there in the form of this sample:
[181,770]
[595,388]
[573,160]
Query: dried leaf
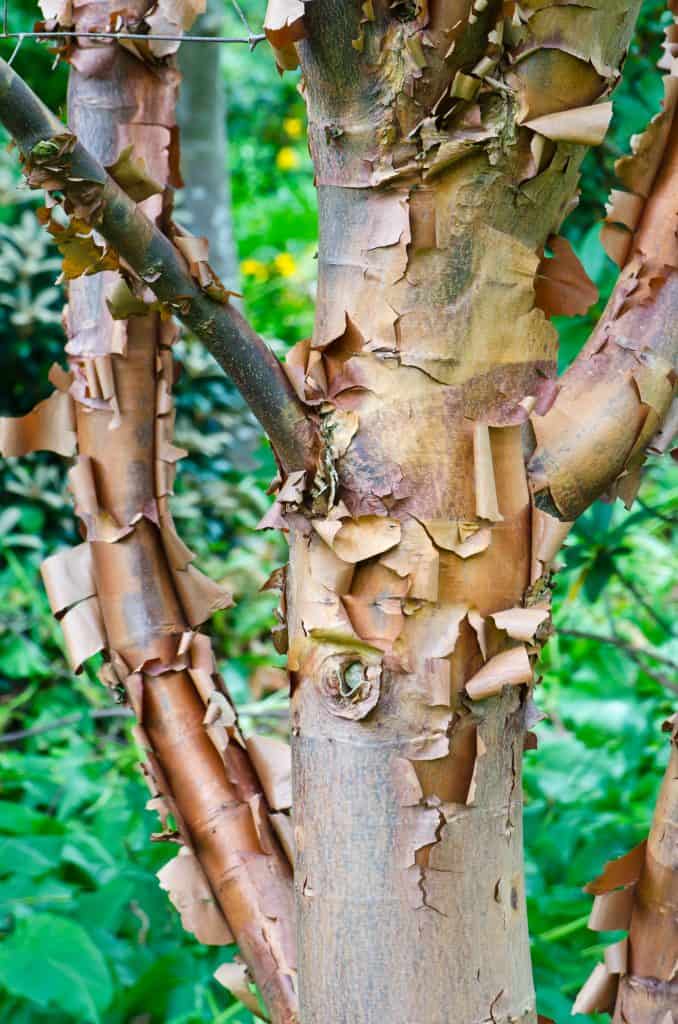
[132,176]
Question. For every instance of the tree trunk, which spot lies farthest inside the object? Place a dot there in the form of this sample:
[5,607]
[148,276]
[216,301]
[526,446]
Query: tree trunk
[429,345]
[204,148]
[431,465]
[648,988]
[148,598]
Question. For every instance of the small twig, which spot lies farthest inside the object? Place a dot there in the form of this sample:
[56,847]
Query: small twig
[16,49]
[654,615]
[241,15]
[617,642]
[246,710]
[59,723]
[635,653]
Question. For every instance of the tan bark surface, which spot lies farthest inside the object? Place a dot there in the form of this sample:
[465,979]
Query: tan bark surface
[446,140]
[448,467]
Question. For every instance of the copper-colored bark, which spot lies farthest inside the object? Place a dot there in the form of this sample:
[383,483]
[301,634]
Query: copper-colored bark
[142,597]
[446,139]
[648,992]
[637,981]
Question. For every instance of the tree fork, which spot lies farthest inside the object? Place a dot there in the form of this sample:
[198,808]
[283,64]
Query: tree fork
[446,144]
[237,348]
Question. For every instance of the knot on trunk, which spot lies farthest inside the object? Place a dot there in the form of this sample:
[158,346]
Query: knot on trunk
[350,686]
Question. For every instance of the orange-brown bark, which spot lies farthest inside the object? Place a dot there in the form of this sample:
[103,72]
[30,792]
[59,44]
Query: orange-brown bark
[648,990]
[637,980]
[615,396]
[446,138]
[130,590]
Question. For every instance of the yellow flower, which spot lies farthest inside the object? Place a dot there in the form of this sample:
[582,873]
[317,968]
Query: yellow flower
[285,264]
[255,269]
[286,159]
[293,127]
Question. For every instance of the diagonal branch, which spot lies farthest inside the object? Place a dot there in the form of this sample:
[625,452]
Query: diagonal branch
[615,396]
[237,348]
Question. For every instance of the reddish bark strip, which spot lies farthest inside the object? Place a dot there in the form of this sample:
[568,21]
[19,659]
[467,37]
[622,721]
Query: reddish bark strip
[449,463]
[131,589]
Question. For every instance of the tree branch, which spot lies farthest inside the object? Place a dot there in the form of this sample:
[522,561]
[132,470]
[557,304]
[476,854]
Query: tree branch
[237,348]
[635,653]
[615,396]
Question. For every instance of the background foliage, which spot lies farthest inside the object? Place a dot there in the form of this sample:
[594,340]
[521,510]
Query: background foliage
[86,934]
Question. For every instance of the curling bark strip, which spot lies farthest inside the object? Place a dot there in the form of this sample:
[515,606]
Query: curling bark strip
[637,981]
[130,589]
[446,139]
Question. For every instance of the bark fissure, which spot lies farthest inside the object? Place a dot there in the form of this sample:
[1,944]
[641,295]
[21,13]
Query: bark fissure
[447,139]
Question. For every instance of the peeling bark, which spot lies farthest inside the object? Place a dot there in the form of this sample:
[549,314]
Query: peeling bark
[637,982]
[438,195]
[130,589]
[433,465]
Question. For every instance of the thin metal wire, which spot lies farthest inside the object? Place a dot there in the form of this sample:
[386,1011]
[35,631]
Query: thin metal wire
[252,41]
[16,49]
[242,16]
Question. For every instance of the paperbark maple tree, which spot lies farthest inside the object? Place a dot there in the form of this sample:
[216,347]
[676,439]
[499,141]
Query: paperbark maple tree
[431,465]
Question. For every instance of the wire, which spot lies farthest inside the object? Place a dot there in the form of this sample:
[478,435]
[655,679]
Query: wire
[16,49]
[241,15]
[251,41]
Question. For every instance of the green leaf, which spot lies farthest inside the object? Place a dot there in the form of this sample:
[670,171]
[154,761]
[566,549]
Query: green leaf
[20,658]
[34,856]
[52,962]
